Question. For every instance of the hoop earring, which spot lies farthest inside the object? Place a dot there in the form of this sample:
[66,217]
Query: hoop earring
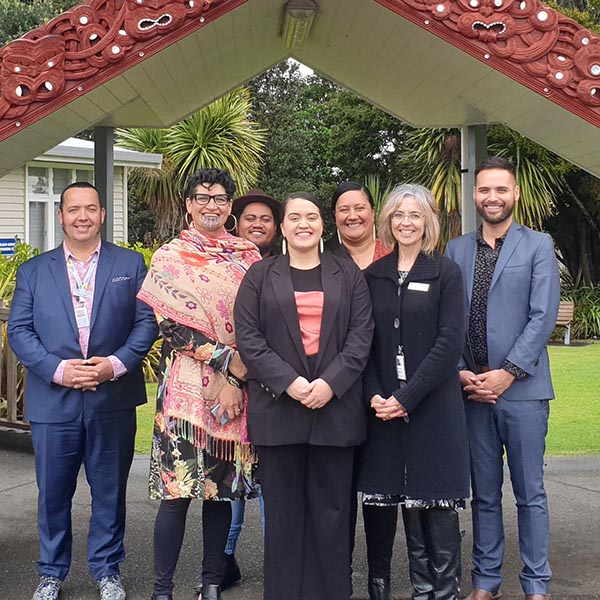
[283,246]
[321,246]
[189,221]
[374,233]
[234,228]
[339,236]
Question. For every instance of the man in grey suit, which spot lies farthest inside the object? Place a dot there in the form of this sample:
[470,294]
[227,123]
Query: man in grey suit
[511,300]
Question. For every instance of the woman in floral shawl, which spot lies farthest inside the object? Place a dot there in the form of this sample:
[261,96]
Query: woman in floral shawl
[199,446]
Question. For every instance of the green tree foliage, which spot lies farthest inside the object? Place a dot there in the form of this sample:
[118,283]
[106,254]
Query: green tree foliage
[320,134]
[575,228]
[17,17]
[220,135]
[432,158]
[585,12]
[282,103]
[363,139]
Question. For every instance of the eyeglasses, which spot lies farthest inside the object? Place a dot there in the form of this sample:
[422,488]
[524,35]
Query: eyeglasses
[413,217]
[204,199]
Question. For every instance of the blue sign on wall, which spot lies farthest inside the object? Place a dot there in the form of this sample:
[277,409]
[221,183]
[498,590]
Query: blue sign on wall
[7,246]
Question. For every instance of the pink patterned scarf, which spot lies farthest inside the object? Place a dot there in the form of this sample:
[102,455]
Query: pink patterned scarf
[193,280]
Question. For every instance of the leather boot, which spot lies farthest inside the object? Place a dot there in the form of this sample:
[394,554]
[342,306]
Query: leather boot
[419,569]
[211,592]
[379,589]
[443,530]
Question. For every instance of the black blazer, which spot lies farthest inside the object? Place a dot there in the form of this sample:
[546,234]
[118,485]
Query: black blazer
[270,344]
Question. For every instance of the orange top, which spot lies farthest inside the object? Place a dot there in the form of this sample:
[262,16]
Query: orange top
[310,313]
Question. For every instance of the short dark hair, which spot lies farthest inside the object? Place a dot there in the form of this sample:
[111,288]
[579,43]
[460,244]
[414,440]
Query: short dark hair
[81,185]
[496,162]
[304,196]
[211,177]
[350,186]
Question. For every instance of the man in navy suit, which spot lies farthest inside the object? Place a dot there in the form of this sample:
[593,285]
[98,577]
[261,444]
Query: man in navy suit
[76,325]
[511,300]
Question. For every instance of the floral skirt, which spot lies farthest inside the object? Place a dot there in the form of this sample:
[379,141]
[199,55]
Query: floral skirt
[395,499]
[179,469]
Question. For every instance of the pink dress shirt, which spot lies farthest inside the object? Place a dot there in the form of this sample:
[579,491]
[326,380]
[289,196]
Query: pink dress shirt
[83,271]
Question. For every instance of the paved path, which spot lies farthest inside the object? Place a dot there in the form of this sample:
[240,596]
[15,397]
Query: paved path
[573,485]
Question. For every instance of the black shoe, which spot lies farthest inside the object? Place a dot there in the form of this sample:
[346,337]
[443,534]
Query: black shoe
[211,592]
[379,589]
[162,597]
[232,574]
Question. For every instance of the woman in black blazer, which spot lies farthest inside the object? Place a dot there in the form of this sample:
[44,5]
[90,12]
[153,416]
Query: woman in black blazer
[416,452]
[304,330]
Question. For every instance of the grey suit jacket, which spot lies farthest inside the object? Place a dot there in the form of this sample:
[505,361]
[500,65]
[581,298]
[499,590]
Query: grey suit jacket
[522,305]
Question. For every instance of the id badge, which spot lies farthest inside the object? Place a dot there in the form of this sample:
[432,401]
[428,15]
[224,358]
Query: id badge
[400,367]
[81,317]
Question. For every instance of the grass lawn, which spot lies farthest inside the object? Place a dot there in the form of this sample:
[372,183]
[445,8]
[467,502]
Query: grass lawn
[574,414]
[145,421]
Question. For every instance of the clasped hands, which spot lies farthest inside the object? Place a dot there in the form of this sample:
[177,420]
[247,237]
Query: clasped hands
[312,394]
[87,373]
[485,387]
[387,408]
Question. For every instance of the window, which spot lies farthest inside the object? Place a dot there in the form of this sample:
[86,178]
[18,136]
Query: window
[44,186]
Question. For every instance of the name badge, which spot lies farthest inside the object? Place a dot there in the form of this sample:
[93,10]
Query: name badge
[418,287]
[400,367]
[81,317]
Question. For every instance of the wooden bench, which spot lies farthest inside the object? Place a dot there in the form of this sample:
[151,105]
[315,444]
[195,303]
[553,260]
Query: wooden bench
[566,308]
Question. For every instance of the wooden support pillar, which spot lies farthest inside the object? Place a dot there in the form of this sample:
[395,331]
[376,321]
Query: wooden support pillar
[104,173]
[473,151]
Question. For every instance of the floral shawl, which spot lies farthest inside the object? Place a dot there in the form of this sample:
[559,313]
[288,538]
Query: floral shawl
[193,280]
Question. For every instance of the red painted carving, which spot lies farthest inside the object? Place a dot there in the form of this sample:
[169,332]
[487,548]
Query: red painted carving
[75,48]
[86,46]
[534,44]
[32,71]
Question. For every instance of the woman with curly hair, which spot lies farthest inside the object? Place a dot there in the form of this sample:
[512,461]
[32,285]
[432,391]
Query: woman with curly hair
[199,446]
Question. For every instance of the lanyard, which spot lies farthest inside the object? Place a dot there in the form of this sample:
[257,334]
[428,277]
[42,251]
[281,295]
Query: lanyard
[81,291]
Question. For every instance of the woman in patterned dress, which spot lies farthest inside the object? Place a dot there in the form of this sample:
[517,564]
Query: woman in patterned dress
[199,446]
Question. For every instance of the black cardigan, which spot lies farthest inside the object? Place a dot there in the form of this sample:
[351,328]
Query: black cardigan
[427,457]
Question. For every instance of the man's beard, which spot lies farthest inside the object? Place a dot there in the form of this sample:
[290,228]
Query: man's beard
[498,218]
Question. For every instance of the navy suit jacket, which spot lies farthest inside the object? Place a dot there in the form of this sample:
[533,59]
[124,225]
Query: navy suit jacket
[42,331]
[522,306]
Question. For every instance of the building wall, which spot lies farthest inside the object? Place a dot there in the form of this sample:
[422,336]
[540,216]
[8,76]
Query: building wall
[14,198]
[12,204]
[120,197]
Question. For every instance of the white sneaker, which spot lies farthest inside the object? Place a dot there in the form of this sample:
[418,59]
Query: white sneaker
[111,588]
[48,588]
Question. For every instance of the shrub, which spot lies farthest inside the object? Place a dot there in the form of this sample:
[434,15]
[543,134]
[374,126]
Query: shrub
[586,319]
[8,269]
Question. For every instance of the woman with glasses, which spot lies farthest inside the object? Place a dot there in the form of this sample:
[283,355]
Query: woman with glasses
[304,331]
[199,446]
[416,454]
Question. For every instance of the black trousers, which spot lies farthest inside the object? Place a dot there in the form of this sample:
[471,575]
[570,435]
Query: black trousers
[169,529]
[307,494]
